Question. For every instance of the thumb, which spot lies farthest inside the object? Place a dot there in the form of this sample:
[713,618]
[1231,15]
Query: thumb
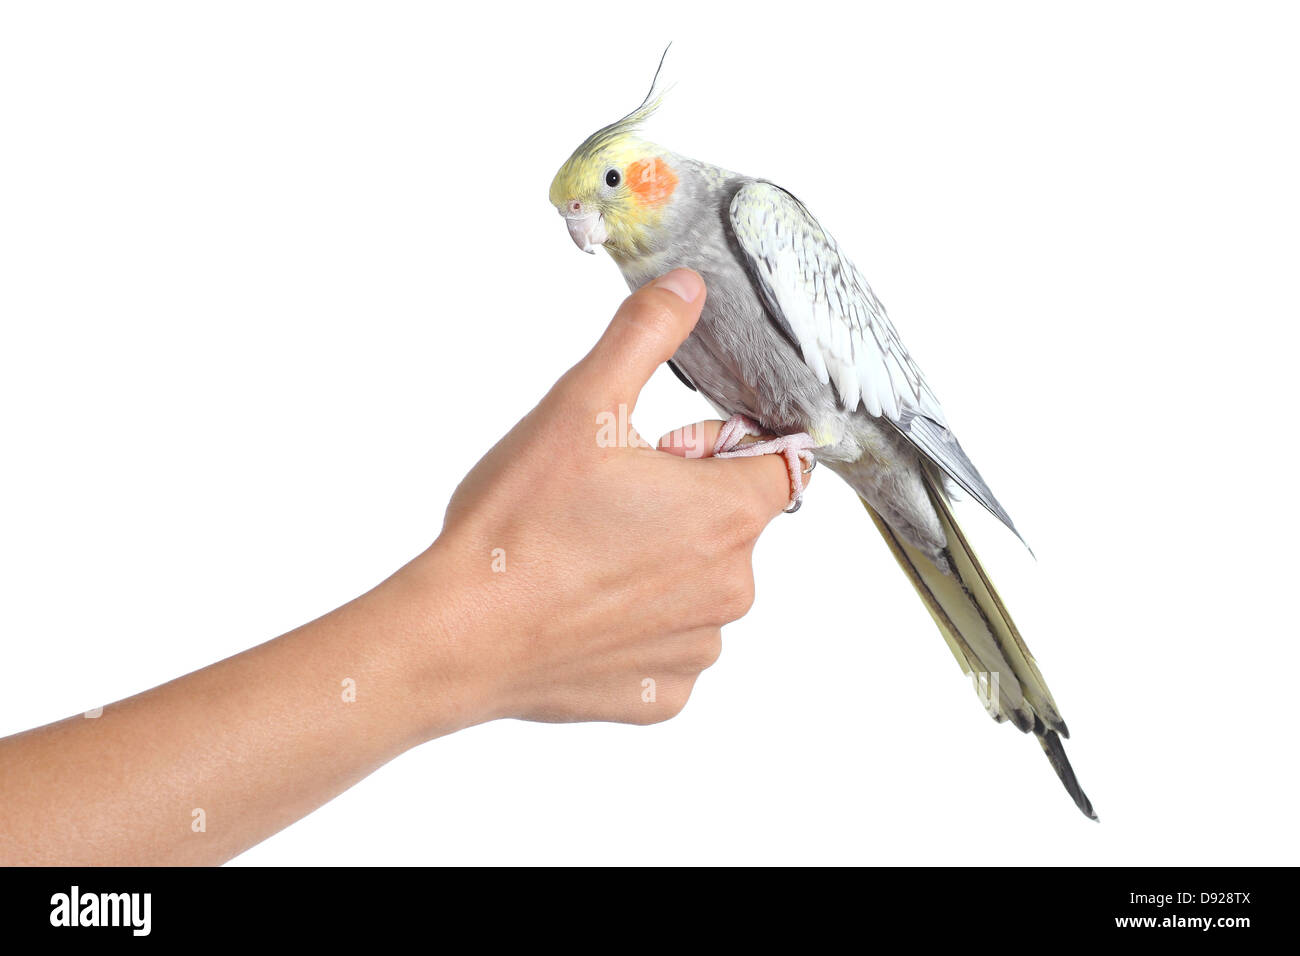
[644,334]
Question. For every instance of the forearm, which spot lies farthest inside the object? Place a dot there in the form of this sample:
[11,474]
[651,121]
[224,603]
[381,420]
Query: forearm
[199,769]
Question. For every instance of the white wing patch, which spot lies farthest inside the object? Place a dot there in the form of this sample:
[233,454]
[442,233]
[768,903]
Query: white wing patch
[841,328]
[829,308]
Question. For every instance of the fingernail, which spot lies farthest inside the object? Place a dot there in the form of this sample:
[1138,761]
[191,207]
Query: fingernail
[689,438]
[683,283]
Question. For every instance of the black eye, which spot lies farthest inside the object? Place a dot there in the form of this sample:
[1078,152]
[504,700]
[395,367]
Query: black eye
[612,178]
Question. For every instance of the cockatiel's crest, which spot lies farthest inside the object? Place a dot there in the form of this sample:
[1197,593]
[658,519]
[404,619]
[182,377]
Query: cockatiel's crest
[613,188]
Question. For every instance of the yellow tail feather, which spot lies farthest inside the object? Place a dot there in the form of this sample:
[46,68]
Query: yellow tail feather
[982,637]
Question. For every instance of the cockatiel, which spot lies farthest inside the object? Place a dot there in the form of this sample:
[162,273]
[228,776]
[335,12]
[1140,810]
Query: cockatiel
[794,346]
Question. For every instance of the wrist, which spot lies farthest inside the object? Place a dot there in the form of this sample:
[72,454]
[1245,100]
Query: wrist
[452,653]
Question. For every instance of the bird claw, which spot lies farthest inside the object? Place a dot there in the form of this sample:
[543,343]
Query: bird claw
[796,449]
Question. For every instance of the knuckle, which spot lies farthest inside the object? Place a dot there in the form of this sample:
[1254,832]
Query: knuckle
[574,394]
[665,708]
[760,513]
[737,598]
[745,518]
[653,314]
[750,592]
[758,500]
[743,599]
[707,650]
[674,705]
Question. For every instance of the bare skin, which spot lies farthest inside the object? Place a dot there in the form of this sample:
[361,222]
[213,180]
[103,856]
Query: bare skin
[568,571]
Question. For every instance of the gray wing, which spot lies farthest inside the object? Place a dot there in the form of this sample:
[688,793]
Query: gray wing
[826,307]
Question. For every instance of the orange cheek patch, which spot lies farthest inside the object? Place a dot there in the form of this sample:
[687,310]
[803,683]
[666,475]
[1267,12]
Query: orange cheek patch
[651,180]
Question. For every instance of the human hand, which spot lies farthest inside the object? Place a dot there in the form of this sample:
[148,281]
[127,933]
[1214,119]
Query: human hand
[582,573]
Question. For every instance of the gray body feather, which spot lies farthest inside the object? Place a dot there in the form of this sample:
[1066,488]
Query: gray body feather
[747,358]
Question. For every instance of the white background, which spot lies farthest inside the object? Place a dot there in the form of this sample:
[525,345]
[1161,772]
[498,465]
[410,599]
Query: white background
[273,276]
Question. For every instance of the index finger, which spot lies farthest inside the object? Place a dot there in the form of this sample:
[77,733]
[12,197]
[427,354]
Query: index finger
[765,478]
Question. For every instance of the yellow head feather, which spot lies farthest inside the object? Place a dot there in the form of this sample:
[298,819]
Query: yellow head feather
[621,176]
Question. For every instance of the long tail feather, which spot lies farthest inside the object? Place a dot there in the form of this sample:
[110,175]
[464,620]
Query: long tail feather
[1055,750]
[982,637]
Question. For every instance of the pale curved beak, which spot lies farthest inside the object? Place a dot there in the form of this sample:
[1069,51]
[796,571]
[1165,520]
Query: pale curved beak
[587,231]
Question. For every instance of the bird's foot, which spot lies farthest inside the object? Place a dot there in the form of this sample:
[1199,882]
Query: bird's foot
[796,449]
